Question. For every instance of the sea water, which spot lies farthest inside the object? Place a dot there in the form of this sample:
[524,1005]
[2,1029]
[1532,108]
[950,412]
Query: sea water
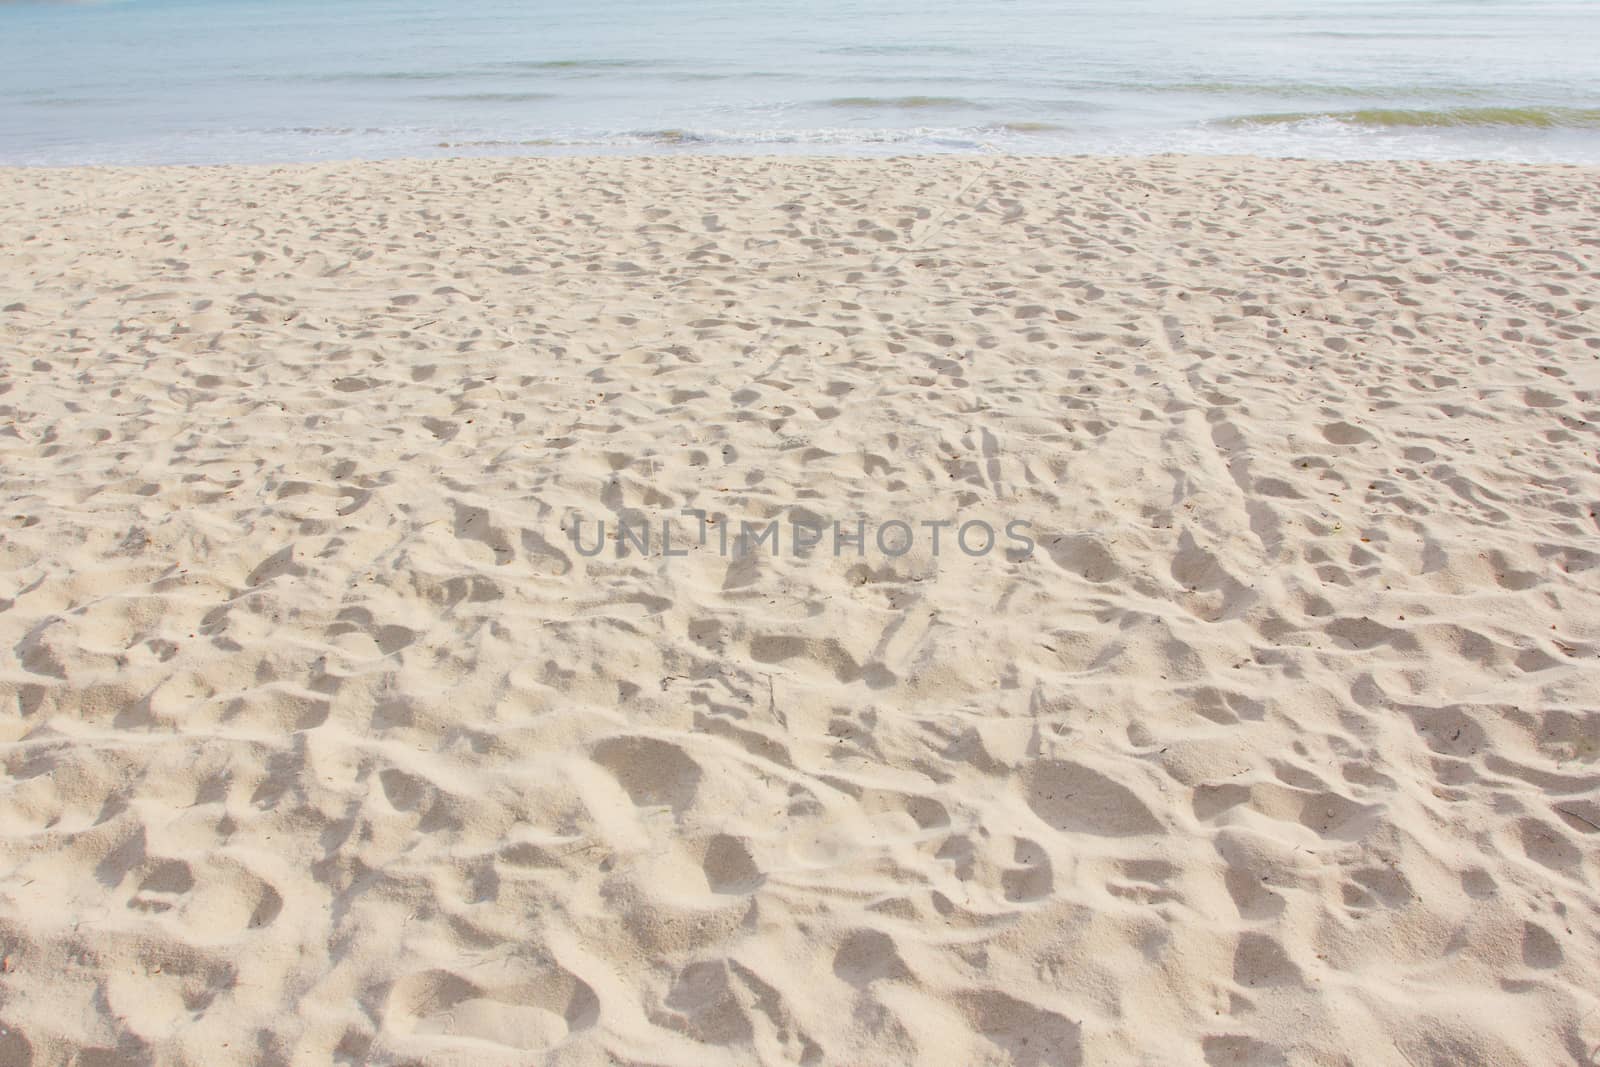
[205,81]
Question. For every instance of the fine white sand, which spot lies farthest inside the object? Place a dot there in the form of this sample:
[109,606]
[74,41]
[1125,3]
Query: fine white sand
[323,743]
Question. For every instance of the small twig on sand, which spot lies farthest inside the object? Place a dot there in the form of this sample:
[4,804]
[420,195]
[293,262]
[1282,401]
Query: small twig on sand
[1574,815]
[1537,252]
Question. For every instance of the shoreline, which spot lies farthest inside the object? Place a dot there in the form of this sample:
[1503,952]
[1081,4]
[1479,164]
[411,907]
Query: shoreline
[799,158]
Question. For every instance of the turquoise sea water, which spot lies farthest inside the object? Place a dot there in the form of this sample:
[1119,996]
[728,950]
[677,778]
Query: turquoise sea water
[199,81]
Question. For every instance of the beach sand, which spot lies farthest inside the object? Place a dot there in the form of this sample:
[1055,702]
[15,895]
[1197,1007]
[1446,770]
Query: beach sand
[323,742]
